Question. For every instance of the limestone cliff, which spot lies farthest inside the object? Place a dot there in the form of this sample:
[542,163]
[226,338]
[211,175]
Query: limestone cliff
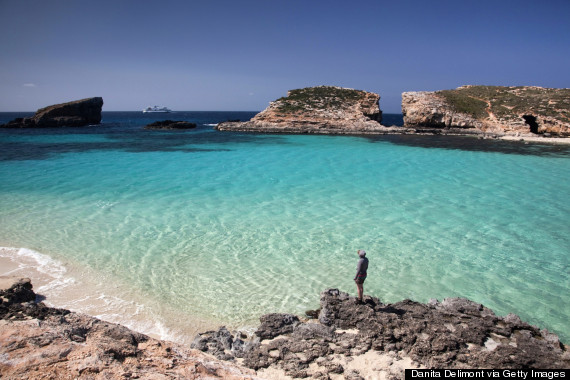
[77,113]
[520,111]
[322,110]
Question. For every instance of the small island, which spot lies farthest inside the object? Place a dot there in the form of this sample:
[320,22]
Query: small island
[320,110]
[511,113]
[77,113]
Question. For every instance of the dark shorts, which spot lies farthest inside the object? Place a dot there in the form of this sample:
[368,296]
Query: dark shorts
[360,279]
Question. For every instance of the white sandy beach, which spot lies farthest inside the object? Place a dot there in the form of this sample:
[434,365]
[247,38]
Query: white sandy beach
[78,290]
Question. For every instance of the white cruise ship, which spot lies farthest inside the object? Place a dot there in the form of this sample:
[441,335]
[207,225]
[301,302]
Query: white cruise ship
[156,109]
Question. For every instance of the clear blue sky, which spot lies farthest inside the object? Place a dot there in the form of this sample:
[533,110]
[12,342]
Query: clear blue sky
[240,55]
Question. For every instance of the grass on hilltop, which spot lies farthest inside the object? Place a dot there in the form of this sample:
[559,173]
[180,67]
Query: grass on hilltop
[320,97]
[508,101]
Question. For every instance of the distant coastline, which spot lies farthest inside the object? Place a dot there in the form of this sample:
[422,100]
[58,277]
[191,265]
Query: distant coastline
[529,114]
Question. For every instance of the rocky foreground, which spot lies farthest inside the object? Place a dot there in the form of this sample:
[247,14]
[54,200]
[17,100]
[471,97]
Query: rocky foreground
[77,113]
[455,333]
[343,339]
[39,342]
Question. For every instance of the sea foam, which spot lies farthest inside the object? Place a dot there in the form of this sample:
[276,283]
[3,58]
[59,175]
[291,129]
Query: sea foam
[85,292]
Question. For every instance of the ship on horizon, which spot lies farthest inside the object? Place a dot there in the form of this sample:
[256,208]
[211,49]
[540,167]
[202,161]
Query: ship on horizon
[156,109]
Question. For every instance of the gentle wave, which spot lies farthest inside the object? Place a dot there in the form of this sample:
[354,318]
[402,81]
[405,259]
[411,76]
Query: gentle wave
[83,293]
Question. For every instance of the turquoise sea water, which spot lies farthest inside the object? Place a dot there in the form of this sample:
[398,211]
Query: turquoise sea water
[227,227]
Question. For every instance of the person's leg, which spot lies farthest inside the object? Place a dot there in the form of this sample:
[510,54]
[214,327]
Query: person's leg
[360,290]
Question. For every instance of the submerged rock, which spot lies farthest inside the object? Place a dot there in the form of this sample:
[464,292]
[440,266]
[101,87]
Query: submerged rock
[170,124]
[517,111]
[77,113]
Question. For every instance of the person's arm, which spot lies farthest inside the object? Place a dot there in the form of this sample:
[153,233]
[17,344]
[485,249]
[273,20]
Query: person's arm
[358,268]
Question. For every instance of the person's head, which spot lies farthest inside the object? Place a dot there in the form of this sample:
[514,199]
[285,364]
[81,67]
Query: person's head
[361,253]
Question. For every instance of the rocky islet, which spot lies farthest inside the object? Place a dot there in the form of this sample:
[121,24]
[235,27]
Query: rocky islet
[77,113]
[496,111]
[321,110]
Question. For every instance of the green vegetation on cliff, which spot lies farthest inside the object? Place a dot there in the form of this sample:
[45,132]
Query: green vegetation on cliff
[505,102]
[321,97]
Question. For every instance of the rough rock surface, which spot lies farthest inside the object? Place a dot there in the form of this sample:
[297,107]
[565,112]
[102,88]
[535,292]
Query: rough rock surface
[170,124]
[516,111]
[38,342]
[455,333]
[321,110]
[72,114]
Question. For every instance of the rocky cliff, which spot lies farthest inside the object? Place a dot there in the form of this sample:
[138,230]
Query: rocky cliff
[520,111]
[321,110]
[38,342]
[72,114]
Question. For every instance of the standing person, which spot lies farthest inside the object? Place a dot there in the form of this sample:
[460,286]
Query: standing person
[361,273]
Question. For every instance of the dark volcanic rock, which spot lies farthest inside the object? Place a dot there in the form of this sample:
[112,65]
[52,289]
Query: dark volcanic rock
[454,333]
[170,124]
[73,114]
[273,325]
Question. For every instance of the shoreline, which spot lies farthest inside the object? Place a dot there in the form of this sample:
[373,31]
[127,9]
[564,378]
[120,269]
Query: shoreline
[315,129]
[63,285]
[343,339]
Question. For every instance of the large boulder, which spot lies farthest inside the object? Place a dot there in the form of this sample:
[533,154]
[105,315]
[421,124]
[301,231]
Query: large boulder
[77,113]
[320,110]
[518,111]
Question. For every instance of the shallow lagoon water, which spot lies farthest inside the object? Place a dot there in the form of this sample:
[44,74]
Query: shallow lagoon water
[225,227]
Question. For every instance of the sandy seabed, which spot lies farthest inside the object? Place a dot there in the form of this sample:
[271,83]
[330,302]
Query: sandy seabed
[76,289]
[59,288]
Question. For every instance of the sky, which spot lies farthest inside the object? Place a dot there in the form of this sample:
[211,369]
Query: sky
[218,55]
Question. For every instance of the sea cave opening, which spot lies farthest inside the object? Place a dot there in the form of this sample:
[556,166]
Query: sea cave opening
[531,121]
